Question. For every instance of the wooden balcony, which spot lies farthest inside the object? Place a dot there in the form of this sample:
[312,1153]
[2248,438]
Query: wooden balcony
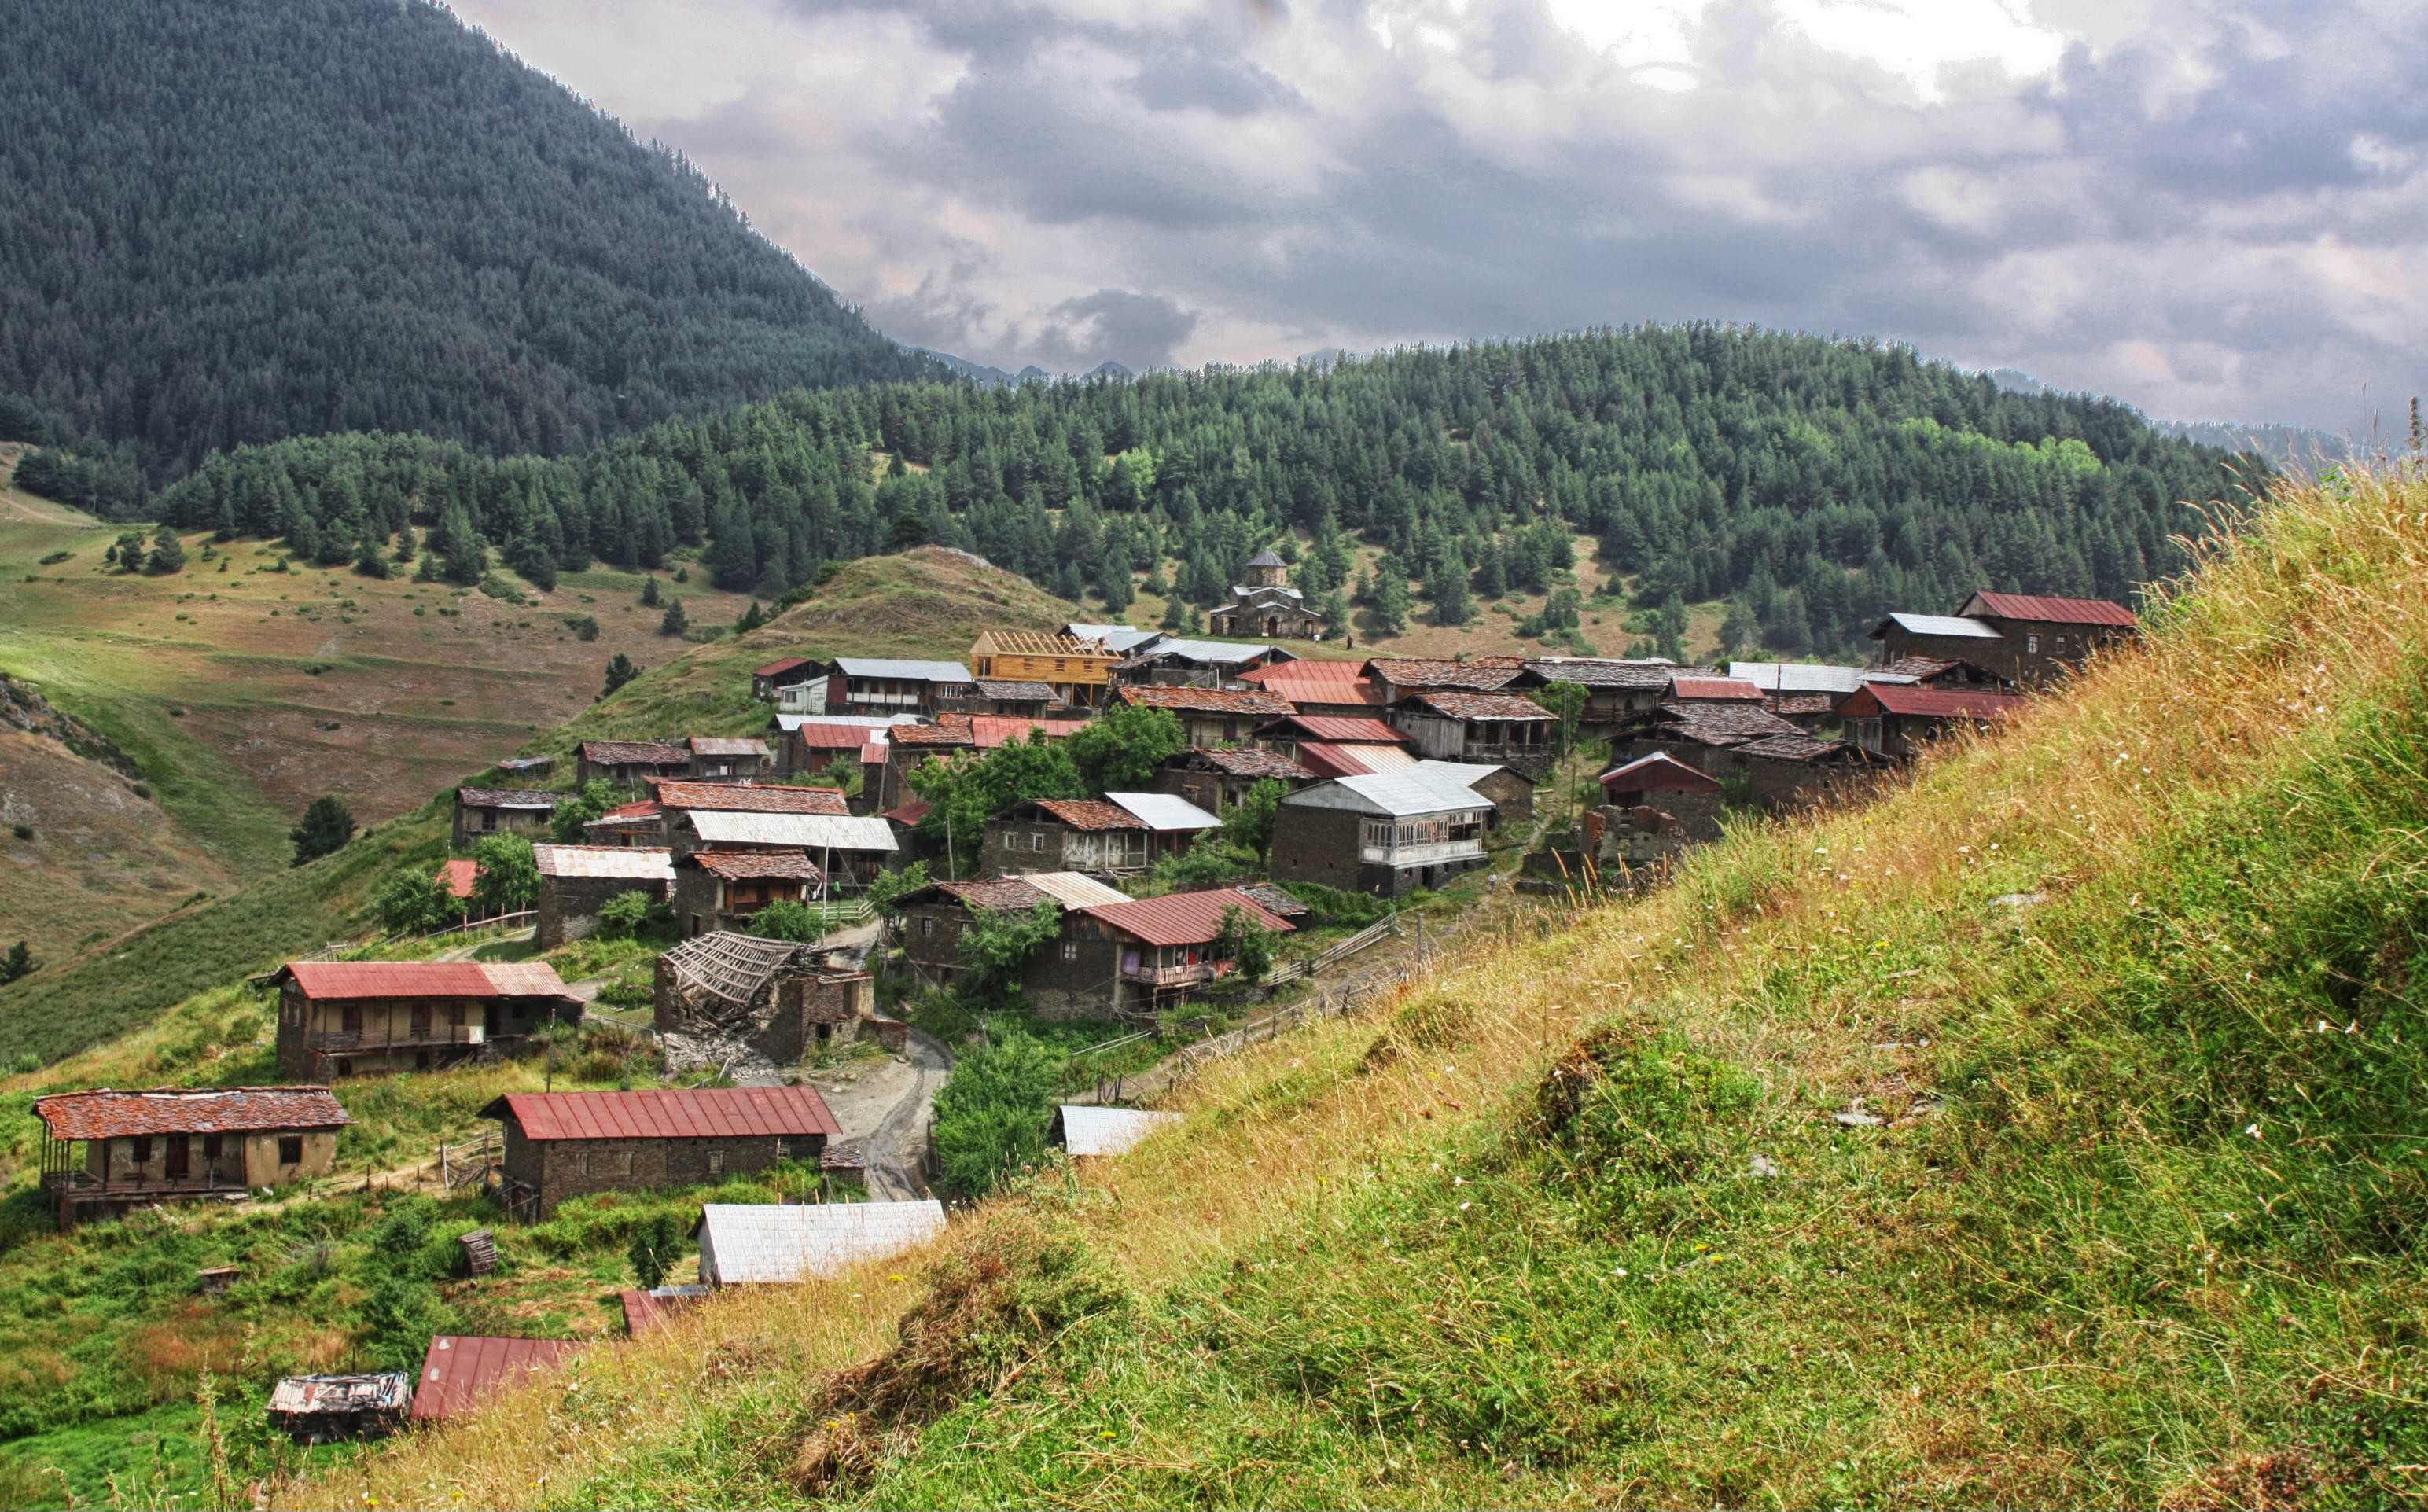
[1205,971]
[344,1041]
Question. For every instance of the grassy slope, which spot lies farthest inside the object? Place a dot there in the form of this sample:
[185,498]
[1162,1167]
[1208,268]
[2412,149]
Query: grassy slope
[244,694]
[923,604]
[2149,1240]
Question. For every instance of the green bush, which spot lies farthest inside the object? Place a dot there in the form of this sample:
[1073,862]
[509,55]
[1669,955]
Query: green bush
[992,1117]
[626,914]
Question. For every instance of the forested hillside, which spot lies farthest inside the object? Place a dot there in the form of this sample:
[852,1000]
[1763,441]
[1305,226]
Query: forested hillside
[233,220]
[1812,484]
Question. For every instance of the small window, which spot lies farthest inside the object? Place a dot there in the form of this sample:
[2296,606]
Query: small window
[290,1149]
[140,1149]
[717,1163]
[1070,950]
[1036,841]
[926,927]
[784,1147]
[2031,645]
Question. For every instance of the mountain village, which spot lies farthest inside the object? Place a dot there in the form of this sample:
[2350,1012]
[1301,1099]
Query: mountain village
[1386,779]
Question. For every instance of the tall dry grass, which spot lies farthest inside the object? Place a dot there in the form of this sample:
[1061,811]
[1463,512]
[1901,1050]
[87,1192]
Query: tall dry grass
[2313,609]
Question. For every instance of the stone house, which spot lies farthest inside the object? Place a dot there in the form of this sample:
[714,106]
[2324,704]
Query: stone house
[1660,780]
[571,1143]
[1613,686]
[1387,833]
[850,849]
[482,812]
[1073,671]
[630,762]
[642,824]
[1895,721]
[930,921]
[1498,728]
[951,735]
[782,999]
[575,880]
[1122,957]
[725,888]
[728,758]
[2043,636]
[212,1144]
[817,746]
[1210,717]
[1267,605]
[344,1018]
[1785,772]
[1120,833]
[1216,776]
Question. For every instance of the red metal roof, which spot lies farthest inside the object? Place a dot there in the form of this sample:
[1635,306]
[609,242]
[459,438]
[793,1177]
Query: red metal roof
[2050,608]
[459,1370]
[1338,729]
[781,665]
[908,814]
[693,1114]
[1699,689]
[105,1113]
[324,980]
[1207,701]
[1310,671]
[993,729]
[1930,703]
[1184,918]
[457,876]
[750,798]
[646,809]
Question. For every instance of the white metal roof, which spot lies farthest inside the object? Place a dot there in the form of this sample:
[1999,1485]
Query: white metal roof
[772,1244]
[638,863]
[789,721]
[1400,795]
[1944,625]
[1460,773]
[1221,651]
[1073,890]
[1801,677]
[1122,638]
[1164,810]
[884,666]
[810,831]
[1108,1131]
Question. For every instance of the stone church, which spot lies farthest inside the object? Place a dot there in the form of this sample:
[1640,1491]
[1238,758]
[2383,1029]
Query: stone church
[1266,607]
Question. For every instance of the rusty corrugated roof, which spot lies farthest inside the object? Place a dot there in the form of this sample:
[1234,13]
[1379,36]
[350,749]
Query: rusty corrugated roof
[739,865]
[1184,918]
[458,876]
[634,753]
[676,1114]
[324,980]
[728,746]
[1714,689]
[105,1114]
[1090,814]
[1337,730]
[1484,705]
[460,1370]
[833,737]
[2049,609]
[750,797]
[1930,703]
[781,665]
[1207,700]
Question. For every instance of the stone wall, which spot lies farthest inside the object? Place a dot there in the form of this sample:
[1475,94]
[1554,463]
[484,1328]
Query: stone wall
[561,1169]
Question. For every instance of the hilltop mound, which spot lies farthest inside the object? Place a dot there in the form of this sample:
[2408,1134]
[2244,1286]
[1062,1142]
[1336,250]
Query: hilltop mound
[2048,1132]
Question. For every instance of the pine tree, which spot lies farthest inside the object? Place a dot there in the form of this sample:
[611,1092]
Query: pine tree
[168,552]
[676,622]
[750,619]
[326,826]
[1447,587]
[368,560]
[648,592]
[620,670]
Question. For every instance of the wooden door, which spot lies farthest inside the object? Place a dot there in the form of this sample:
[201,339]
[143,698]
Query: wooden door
[178,1153]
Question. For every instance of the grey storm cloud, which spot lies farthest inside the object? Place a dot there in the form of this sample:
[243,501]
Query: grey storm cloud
[2212,210]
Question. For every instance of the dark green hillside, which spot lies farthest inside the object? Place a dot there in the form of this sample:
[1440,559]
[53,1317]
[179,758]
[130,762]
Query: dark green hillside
[233,220]
[1811,484]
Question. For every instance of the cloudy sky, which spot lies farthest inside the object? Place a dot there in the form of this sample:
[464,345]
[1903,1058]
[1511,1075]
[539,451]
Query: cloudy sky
[2214,210]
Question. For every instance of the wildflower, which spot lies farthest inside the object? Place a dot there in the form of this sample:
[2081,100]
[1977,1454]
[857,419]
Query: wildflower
[1620,1273]
[1465,1206]
[2252,1131]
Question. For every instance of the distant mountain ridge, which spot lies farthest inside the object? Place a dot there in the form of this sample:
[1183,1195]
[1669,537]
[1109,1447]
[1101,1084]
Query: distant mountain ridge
[997,378]
[237,220]
[2294,445]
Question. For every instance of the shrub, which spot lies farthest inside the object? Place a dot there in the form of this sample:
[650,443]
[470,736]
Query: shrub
[626,914]
[994,1115]
[509,874]
[411,901]
[327,825]
[655,1245]
[786,920]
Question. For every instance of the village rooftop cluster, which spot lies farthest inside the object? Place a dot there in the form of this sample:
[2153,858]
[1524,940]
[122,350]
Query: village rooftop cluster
[1398,774]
